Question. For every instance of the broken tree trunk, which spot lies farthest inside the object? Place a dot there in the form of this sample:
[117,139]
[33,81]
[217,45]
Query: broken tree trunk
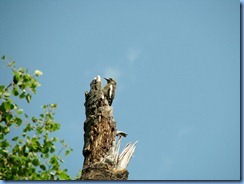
[102,160]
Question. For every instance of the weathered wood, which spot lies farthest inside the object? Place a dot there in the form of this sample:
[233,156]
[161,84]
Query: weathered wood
[101,171]
[99,138]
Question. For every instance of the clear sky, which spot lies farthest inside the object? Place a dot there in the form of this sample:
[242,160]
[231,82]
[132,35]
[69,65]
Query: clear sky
[177,66]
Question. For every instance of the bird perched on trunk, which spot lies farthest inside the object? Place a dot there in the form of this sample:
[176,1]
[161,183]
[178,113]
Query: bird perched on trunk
[109,90]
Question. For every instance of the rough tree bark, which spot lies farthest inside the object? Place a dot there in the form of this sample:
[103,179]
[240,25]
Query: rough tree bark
[99,138]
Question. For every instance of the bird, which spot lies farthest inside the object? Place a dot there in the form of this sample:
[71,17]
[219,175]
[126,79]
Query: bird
[109,90]
[121,133]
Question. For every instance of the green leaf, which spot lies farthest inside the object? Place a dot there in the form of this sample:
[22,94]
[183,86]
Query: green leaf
[6,94]
[2,89]
[4,144]
[28,98]
[15,91]
[35,162]
[8,118]
[33,119]
[22,95]
[18,121]
[6,130]
[53,106]
[19,111]
[67,152]
[16,78]
[28,128]
[45,150]
[46,155]
[43,167]
[64,176]
[52,149]
[3,57]
[39,130]
[15,138]
[54,160]
[55,139]
[55,127]
[7,106]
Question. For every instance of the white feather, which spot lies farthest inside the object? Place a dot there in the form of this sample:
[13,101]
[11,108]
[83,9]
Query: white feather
[110,91]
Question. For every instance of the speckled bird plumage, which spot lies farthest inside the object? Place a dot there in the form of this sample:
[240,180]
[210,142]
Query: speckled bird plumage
[109,90]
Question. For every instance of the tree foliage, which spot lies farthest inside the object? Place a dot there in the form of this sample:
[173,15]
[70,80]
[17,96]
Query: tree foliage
[31,153]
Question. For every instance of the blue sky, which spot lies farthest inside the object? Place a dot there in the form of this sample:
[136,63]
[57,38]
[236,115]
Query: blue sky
[177,66]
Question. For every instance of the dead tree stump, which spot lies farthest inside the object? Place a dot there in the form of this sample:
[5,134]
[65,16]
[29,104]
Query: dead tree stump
[99,138]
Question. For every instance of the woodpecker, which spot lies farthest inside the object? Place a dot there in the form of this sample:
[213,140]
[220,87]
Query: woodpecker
[121,133]
[109,90]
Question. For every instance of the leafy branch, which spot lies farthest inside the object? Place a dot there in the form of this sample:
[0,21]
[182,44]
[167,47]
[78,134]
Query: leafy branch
[32,154]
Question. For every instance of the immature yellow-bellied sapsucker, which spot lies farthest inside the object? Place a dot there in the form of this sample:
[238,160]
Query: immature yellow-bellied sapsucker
[109,90]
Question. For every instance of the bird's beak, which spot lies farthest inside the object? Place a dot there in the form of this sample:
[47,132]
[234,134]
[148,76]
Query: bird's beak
[105,78]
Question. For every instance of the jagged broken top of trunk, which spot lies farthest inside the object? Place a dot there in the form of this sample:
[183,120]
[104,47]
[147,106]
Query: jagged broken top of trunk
[100,142]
